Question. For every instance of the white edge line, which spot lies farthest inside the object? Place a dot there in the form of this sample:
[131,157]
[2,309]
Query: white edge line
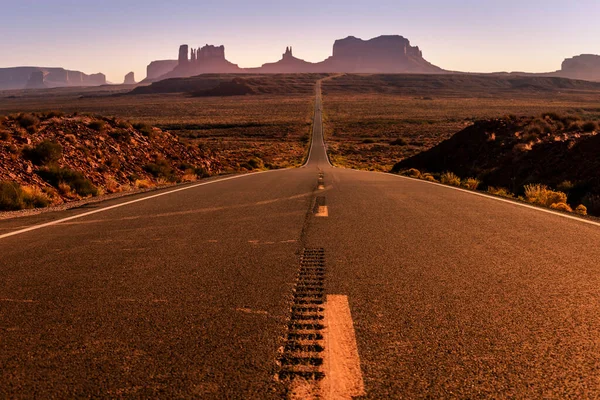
[47,224]
[516,203]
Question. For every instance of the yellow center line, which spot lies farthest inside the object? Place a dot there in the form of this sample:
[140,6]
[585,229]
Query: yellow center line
[341,363]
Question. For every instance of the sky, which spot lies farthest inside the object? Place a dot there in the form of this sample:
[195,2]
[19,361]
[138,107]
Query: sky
[116,37]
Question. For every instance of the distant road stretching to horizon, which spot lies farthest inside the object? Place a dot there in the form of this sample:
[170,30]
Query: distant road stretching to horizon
[206,291]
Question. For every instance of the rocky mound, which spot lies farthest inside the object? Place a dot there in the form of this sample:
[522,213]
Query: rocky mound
[68,157]
[558,151]
[236,87]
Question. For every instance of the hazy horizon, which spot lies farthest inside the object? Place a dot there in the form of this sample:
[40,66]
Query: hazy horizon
[117,37]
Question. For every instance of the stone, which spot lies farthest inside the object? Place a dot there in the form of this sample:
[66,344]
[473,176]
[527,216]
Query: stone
[129,79]
[36,80]
[183,54]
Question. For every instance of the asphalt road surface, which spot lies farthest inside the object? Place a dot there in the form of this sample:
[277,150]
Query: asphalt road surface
[187,294]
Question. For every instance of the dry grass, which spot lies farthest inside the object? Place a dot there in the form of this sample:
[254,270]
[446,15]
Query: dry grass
[543,196]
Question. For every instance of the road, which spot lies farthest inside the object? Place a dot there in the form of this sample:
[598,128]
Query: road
[187,294]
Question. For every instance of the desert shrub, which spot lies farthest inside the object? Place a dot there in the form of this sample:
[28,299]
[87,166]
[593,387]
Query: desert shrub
[502,192]
[303,139]
[161,169]
[541,195]
[27,120]
[575,126]
[471,183]
[61,177]
[111,185]
[143,183]
[449,178]
[123,124]
[565,186]
[120,134]
[581,209]
[561,207]
[589,126]
[4,135]
[43,153]
[368,141]
[201,172]
[552,116]
[97,125]
[399,142]
[256,163]
[413,172]
[428,177]
[144,129]
[15,197]
[54,114]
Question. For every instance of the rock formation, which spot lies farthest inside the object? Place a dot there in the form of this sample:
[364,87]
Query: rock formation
[204,60]
[19,78]
[384,54]
[287,64]
[129,79]
[156,69]
[36,80]
[585,66]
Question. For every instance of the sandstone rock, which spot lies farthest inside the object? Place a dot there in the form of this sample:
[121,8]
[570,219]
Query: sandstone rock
[183,54]
[384,54]
[160,67]
[584,66]
[36,80]
[18,77]
[129,79]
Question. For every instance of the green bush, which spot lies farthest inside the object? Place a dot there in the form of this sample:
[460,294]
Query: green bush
[256,163]
[97,125]
[14,197]
[43,153]
[161,169]
[590,126]
[27,120]
[144,129]
[74,179]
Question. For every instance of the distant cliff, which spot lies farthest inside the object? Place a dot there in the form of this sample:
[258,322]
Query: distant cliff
[585,66]
[41,77]
[384,54]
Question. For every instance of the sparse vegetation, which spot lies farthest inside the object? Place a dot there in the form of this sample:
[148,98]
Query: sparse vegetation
[16,197]
[449,178]
[45,152]
[66,179]
[543,196]
[470,183]
[97,125]
[27,121]
[161,169]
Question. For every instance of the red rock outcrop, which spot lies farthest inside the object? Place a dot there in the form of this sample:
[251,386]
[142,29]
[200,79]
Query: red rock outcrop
[129,79]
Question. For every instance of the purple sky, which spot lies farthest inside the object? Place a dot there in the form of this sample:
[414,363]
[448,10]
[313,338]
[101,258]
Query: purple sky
[116,37]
